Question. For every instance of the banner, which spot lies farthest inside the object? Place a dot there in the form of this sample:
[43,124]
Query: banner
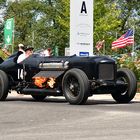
[81,27]
[8,31]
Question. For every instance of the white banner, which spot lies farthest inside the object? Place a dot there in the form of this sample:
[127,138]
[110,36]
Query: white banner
[81,27]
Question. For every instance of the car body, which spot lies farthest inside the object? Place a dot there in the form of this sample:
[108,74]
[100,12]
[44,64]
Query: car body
[74,77]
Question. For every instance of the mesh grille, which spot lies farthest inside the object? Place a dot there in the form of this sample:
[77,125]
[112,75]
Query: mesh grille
[106,71]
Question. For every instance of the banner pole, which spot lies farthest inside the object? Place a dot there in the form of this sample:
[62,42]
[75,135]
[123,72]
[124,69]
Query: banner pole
[133,47]
[13,35]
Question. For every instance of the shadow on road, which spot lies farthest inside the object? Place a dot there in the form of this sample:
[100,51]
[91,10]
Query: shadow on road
[30,99]
[107,102]
[62,100]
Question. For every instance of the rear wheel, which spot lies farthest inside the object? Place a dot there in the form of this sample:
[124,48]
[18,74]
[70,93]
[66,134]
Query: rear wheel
[125,94]
[39,97]
[75,86]
[4,85]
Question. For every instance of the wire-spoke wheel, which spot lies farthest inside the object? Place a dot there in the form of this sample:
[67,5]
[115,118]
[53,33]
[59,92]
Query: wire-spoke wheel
[75,86]
[127,92]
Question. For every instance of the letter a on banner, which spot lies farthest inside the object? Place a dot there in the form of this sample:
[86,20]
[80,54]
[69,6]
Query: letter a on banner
[81,27]
[83,8]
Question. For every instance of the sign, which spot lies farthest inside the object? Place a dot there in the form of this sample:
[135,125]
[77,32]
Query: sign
[8,31]
[67,51]
[83,53]
[56,51]
[81,27]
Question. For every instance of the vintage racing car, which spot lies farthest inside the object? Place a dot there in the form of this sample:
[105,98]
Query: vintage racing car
[76,78]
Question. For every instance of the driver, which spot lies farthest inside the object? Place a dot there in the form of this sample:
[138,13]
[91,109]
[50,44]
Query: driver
[21,49]
[24,55]
[28,52]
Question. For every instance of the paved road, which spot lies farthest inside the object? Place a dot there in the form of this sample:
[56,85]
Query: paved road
[21,118]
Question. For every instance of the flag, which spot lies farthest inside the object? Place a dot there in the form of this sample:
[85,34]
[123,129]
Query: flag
[99,45]
[125,40]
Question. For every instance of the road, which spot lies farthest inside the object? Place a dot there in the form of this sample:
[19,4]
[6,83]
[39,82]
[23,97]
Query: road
[21,118]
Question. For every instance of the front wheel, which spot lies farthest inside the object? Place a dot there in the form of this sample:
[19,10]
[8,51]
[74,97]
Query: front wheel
[75,86]
[127,93]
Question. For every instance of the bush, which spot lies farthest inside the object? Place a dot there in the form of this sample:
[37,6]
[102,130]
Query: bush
[2,54]
[133,64]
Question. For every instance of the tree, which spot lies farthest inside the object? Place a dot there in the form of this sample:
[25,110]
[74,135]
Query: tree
[1,34]
[2,5]
[61,26]
[45,23]
[53,27]
[112,23]
[130,13]
[25,14]
[106,22]
[41,22]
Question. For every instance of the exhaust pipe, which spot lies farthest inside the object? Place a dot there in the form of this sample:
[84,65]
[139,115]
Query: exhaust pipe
[48,92]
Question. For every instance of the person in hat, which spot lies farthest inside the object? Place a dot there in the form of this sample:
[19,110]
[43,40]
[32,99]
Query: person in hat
[20,51]
[28,51]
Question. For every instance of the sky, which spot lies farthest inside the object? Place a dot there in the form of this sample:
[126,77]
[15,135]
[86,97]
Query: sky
[2,10]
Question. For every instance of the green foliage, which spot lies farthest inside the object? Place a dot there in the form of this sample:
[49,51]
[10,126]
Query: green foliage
[3,55]
[45,23]
[54,25]
[41,24]
[24,13]
[1,33]
[106,22]
[133,64]
[130,12]
[2,3]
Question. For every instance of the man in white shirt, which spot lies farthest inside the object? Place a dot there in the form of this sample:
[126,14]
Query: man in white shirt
[28,51]
[24,55]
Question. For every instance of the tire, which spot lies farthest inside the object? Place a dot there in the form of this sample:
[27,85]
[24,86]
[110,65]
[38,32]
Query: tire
[4,86]
[39,97]
[75,86]
[125,95]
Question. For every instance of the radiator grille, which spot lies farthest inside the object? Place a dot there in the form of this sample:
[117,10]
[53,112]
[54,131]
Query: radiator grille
[106,71]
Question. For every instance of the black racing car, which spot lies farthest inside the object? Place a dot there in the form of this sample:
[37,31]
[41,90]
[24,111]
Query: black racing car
[74,77]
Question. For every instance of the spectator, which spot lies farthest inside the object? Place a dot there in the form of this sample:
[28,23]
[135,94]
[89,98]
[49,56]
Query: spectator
[46,52]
